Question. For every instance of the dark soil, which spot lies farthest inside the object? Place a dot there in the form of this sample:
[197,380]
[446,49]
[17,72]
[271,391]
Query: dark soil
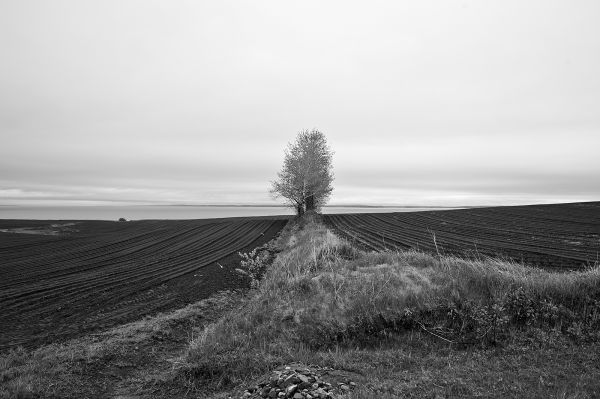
[58,318]
[556,236]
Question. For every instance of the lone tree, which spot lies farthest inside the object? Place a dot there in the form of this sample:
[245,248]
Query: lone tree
[306,177]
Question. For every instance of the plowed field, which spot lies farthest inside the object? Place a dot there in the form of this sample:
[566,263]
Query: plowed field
[558,236]
[64,279]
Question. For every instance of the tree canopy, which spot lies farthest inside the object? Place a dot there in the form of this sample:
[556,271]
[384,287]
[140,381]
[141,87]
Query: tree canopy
[305,180]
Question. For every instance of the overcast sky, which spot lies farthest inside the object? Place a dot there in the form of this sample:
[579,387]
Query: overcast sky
[424,102]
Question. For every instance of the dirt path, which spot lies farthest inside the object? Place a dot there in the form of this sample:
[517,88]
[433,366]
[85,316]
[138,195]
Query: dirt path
[139,366]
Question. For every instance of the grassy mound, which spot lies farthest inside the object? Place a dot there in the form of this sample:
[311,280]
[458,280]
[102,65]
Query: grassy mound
[324,301]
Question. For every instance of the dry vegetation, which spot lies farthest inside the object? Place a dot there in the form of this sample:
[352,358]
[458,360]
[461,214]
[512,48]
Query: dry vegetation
[103,365]
[412,324]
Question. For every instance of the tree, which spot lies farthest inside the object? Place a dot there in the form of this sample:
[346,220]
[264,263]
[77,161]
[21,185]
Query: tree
[306,176]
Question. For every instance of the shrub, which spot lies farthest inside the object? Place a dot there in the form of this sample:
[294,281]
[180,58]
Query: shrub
[254,263]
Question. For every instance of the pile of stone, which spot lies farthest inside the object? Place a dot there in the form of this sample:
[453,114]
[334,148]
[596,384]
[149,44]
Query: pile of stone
[298,383]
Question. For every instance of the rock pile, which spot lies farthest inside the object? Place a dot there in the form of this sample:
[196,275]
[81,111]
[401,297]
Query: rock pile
[298,383]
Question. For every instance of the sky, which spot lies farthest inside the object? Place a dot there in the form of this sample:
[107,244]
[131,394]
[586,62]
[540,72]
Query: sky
[433,102]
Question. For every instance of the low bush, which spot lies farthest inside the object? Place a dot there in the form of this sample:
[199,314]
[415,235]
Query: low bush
[254,264]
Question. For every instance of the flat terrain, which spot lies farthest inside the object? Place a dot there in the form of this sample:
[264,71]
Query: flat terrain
[63,279]
[557,236]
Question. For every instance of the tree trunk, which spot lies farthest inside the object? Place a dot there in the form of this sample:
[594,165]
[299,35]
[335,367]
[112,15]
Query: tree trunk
[300,209]
[310,203]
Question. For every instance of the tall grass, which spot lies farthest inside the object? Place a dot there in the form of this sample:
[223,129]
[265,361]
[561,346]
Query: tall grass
[321,293]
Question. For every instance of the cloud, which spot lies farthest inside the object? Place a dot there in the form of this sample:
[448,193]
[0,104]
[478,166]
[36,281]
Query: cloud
[195,101]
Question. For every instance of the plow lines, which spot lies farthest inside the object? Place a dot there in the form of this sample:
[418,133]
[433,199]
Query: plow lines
[558,236]
[59,285]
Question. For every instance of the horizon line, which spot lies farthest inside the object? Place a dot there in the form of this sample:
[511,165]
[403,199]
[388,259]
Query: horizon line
[254,205]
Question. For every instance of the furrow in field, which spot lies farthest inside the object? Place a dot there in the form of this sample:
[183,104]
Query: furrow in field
[160,271]
[529,233]
[79,262]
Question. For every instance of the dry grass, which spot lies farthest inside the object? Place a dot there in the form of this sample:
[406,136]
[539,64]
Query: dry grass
[84,367]
[322,295]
